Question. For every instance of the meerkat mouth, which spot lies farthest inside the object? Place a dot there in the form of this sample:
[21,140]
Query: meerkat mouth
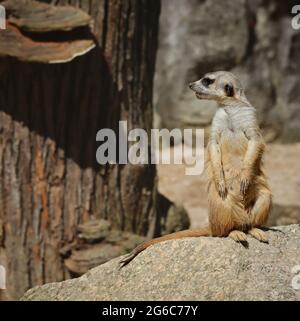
[200,96]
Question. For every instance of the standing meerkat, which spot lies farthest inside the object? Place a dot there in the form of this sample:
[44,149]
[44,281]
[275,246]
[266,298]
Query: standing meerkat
[239,197]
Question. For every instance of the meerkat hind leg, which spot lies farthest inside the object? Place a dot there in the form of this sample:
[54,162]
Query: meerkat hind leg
[238,236]
[259,234]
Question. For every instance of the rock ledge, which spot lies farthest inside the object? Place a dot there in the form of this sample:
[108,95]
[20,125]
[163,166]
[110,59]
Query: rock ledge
[193,269]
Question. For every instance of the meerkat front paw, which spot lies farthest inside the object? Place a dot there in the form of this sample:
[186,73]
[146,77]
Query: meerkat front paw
[222,190]
[246,179]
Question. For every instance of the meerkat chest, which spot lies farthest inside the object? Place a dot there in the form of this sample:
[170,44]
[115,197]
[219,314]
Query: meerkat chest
[233,121]
[231,124]
[238,119]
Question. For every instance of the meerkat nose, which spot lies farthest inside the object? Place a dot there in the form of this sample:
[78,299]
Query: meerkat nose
[191,85]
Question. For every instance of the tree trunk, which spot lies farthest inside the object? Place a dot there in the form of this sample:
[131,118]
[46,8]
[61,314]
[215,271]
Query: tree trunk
[49,117]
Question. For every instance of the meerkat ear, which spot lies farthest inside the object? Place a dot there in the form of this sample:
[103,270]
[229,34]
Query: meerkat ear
[229,90]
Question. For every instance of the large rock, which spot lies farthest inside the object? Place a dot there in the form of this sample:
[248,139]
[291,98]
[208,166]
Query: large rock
[193,269]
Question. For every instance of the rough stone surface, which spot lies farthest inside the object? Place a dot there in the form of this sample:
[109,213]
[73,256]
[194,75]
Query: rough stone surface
[252,38]
[192,269]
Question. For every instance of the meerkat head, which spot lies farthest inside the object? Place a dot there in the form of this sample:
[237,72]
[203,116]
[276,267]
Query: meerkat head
[221,86]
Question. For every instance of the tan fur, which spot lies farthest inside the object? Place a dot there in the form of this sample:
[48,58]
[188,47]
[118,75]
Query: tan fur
[239,198]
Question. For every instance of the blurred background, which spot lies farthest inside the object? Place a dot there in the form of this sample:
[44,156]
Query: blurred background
[69,68]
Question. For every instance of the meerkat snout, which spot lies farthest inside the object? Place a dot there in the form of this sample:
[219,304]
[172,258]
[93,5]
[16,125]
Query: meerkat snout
[191,85]
[195,86]
[203,88]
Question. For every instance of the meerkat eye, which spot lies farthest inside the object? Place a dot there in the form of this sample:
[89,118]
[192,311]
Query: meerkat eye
[229,90]
[207,81]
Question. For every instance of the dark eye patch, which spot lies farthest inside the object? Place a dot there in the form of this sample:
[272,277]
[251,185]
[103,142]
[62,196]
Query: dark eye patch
[207,81]
[229,90]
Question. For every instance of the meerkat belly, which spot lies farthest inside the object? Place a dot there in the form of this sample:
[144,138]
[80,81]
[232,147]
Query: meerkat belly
[233,145]
[230,213]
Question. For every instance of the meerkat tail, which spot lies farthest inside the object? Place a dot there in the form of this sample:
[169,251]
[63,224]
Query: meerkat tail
[177,235]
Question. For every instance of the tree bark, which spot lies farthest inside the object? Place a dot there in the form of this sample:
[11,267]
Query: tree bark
[49,117]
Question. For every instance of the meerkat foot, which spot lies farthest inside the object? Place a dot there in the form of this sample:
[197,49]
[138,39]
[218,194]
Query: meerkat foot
[238,236]
[259,234]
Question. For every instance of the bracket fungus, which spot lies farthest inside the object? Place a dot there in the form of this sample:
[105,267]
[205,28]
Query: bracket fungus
[39,32]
